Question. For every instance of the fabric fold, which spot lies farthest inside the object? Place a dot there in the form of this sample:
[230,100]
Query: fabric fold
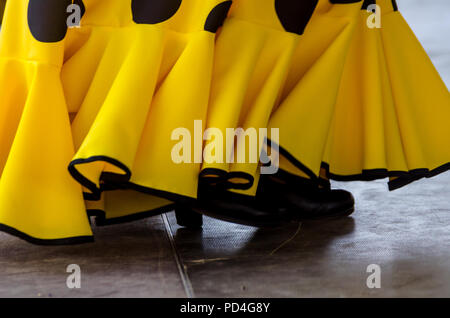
[39,200]
[387,117]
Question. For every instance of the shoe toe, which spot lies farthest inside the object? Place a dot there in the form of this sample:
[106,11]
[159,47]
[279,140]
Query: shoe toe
[340,202]
[343,198]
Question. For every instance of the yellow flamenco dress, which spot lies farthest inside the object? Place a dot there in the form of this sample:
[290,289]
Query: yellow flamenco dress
[89,112]
[254,54]
[249,82]
[92,118]
[387,117]
[39,200]
[147,72]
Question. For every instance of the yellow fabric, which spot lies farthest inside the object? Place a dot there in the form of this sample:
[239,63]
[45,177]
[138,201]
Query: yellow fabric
[248,82]
[118,205]
[329,23]
[156,77]
[38,196]
[321,51]
[422,101]
[141,82]
[252,57]
[101,102]
[383,112]
[114,88]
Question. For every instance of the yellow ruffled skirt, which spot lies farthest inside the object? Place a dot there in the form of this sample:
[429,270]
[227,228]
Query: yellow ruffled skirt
[380,112]
[39,200]
[143,82]
[121,117]
[88,114]
[249,82]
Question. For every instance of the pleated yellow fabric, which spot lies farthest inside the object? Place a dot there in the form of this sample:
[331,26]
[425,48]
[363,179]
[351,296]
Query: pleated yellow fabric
[385,116]
[317,69]
[253,56]
[320,49]
[39,200]
[91,117]
[421,99]
[148,72]
[329,30]
[101,100]
[120,206]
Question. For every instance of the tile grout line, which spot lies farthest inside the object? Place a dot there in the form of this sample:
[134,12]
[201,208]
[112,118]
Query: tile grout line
[181,269]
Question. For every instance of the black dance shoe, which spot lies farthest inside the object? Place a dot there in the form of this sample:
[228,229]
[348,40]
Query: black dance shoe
[305,199]
[219,203]
[276,203]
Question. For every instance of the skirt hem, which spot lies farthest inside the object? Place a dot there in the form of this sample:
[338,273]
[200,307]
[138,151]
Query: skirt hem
[101,220]
[402,178]
[46,242]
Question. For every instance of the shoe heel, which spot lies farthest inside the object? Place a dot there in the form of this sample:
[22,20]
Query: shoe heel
[186,217]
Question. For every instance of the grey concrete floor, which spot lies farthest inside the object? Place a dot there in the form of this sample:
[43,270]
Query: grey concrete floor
[406,233]
[128,260]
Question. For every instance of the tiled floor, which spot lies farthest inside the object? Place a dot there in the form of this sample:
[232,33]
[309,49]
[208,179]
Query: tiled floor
[130,260]
[406,233]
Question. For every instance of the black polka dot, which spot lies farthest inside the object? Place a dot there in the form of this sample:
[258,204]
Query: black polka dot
[82,7]
[154,11]
[367,3]
[294,15]
[217,16]
[47,19]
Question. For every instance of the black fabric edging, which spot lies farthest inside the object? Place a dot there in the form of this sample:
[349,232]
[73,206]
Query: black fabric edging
[46,242]
[399,178]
